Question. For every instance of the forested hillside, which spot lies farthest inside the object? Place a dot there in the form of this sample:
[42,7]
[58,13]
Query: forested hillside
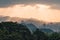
[16,31]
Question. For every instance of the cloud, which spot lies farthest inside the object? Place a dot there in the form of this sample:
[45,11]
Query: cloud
[56,6]
[8,3]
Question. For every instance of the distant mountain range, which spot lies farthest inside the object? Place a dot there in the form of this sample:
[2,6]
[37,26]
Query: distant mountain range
[55,26]
[33,28]
[46,30]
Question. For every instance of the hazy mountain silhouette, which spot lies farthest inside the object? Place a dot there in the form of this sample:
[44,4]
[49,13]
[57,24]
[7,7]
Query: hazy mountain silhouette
[46,30]
[55,26]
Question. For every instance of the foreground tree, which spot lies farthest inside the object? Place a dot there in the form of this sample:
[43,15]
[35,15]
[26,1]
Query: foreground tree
[39,35]
[54,36]
[15,31]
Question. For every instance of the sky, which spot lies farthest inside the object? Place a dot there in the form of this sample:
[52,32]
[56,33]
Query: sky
[46,10]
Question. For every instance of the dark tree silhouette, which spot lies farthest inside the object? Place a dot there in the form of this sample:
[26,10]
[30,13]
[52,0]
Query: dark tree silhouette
[16,31]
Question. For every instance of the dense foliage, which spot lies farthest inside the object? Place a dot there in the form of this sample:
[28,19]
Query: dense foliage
[15,31]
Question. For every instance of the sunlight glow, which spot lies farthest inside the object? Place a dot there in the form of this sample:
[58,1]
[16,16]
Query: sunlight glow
[38,11]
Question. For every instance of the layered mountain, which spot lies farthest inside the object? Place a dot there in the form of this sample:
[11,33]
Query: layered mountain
[55,26]
[46,30]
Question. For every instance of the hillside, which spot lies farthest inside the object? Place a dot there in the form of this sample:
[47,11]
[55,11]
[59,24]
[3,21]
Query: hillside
[55,26]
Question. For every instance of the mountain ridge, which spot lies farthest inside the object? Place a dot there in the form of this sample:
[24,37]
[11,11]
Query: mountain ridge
[39,24]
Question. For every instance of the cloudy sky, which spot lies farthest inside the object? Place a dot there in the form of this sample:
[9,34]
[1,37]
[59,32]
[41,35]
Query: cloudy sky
[46,10]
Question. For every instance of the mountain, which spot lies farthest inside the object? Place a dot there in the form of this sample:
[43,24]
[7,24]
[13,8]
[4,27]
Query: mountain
[46,30]
[33,28]
[30,26]
[55,26]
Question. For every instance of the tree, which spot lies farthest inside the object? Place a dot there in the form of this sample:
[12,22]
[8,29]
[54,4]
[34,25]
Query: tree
[54,36]
[13,31]
[39,35]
